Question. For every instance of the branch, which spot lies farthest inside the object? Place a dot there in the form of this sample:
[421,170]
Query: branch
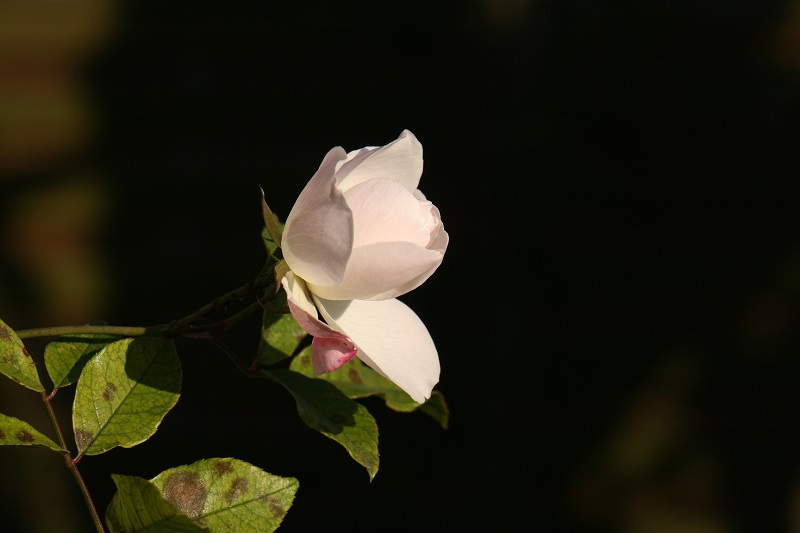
[175,328]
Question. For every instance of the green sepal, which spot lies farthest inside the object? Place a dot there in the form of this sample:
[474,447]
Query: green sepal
[271,223]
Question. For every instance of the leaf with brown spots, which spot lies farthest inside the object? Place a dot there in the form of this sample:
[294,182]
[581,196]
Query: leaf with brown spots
[138,506]
[227,494]
[15,432]
[124,392]
[15,362]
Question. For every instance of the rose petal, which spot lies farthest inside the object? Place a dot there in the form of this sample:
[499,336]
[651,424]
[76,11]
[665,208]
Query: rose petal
[329,348]
[391,339]
[330,353]
[318,234]
[381,271]
[400,160]
[384,211]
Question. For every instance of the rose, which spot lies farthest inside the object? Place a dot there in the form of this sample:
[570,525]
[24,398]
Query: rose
[359,235]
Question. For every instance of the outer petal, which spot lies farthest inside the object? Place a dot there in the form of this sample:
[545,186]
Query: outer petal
[381,271]
[400,160]
[318,235]
[391,339]
[329,349]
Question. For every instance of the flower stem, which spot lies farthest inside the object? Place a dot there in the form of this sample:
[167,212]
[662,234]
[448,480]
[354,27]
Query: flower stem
[72,464]
[175,328]
[57,331]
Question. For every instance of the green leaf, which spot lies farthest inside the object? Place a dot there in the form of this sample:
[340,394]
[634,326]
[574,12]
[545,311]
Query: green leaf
[15,361]
[138,506]
[15,432]
[280,336]
[124,392]
[227,494]
[271,223]
[436,408]
[357,380]
[324,408]
[66,356]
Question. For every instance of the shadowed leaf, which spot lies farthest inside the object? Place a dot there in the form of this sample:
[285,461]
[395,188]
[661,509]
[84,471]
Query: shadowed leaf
[138,506]
[15,362]
[324,408]
[124,392]
[66,356]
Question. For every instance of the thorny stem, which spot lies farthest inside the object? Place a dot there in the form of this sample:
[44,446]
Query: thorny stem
[72,464]
[176,328]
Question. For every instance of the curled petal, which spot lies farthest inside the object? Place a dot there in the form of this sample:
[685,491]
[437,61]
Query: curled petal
[318,235]
[329,348]
[391,339]
[400,160]
[330,353]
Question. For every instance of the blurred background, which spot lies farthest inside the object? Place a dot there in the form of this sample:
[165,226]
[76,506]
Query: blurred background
[617,315]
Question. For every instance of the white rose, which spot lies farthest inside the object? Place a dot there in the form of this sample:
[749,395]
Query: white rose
[359,235]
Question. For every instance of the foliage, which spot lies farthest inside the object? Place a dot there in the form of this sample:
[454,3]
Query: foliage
[128,380]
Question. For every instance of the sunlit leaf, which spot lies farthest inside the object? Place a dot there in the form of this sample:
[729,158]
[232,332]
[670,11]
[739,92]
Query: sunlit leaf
[324,408]
[228,495]
[124,392]
[66,356]
[138,506]
[15,432]
[280,336]
[15,361]
[357,380]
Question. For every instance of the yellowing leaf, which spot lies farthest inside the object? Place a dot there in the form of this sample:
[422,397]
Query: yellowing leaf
[227,495]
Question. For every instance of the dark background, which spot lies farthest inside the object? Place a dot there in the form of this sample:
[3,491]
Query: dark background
[617,312]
